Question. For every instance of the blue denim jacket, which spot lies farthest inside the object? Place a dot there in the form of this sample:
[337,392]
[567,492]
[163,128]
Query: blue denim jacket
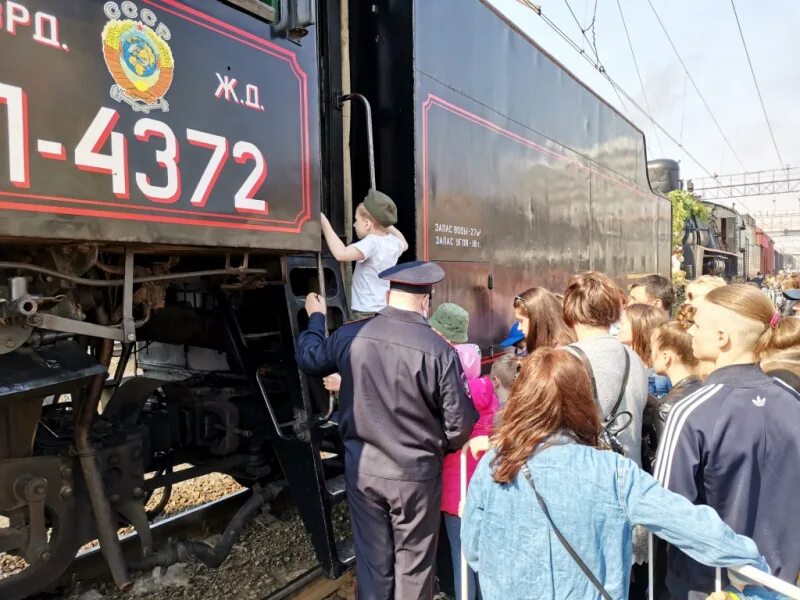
[595,497]
[658,386]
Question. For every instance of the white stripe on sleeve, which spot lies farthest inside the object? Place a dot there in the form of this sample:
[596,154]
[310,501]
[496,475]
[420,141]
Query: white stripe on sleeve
[675,422]
[789,388]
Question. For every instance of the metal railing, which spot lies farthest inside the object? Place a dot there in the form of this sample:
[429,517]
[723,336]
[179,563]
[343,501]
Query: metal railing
[746,571]
[763,579]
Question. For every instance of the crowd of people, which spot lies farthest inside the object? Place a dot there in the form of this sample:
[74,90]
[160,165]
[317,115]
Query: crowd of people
[611,414]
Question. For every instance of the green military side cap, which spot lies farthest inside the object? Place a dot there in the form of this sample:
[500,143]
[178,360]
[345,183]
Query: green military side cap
[381,207]
[452,321]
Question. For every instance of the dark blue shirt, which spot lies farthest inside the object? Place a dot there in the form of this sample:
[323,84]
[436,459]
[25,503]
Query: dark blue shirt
[735,446]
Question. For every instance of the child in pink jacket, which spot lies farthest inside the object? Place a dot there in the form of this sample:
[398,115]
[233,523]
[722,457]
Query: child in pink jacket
[485,401]
[451,321]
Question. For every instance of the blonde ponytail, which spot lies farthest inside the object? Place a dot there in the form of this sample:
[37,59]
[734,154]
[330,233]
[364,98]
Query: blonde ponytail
[782,334]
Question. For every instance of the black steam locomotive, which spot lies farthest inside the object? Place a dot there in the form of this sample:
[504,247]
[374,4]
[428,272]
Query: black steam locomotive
[163,165]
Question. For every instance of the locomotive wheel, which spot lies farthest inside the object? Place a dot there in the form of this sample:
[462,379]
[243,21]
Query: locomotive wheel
[63,544]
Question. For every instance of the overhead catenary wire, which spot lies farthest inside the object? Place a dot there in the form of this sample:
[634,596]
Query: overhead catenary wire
[694,85]
[683,104]
[599,67]
[755,82]
[638,73]
[593,45]
[593,42]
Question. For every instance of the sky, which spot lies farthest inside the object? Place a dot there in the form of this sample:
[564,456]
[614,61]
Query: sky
[707,38]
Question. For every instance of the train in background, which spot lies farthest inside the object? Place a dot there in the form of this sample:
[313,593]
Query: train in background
[163,166]
[730,244]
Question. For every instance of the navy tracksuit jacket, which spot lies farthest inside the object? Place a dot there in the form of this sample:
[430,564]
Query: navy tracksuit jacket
[735,446]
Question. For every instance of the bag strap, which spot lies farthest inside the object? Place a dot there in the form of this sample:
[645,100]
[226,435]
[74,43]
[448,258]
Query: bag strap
[570,550]
[585,360]
[624,385]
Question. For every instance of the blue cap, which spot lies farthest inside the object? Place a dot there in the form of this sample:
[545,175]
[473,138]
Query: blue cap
[415,276]
[515,336]
[792,294]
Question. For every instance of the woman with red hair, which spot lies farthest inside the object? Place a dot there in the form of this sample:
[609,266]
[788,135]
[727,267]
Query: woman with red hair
[550,514]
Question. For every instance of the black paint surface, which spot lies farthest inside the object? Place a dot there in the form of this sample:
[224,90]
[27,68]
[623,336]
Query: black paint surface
[65,89]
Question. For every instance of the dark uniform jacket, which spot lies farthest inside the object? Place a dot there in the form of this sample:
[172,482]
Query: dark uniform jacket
[735,445]
[404,400]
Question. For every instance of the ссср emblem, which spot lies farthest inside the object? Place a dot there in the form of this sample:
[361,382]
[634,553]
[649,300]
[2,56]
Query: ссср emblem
[138,57]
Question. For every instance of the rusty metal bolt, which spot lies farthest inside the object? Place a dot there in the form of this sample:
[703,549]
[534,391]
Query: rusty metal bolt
[138,493]
[46,556]
[66,472]
[66,492]
[40,490]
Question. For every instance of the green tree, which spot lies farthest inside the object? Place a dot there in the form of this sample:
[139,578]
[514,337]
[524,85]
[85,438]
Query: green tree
[685,205]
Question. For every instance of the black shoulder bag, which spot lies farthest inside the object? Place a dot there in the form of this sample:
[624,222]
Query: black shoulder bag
[608,437]
[570,550]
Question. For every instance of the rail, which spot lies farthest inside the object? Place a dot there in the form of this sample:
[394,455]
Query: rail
[764,579]
[745,571]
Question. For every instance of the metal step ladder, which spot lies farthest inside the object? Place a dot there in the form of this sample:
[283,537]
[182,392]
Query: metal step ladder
[305,441]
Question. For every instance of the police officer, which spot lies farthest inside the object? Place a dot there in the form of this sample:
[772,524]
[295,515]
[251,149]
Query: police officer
[403,403]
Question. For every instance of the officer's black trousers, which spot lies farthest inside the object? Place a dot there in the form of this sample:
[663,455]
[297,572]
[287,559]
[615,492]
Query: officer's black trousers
[395,530]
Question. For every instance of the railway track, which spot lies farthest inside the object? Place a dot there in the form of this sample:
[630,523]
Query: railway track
[294,572]
[90,565]
[313,585]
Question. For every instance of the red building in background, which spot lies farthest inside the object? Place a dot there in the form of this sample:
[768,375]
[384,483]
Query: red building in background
[767,251]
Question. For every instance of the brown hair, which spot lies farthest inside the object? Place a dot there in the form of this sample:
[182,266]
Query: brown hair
[674,336]
[591,298]
[659,288]
[546,327]
[644,319]
[551,394]
[750,303]
[685,315]
[505,369]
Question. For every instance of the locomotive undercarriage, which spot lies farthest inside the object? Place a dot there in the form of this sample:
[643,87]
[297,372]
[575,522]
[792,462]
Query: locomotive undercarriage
[202,350]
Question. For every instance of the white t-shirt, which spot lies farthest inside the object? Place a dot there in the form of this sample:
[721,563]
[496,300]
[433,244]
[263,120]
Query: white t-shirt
[380,252]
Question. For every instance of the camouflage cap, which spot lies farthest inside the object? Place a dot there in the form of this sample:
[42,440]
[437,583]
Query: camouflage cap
[452,321]
[381,207]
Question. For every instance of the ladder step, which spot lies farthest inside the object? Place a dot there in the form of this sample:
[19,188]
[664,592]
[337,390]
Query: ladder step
[346,551]
[261,336]
[336,488]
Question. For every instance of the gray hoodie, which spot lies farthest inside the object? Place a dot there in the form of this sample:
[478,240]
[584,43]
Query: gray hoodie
[605,354]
